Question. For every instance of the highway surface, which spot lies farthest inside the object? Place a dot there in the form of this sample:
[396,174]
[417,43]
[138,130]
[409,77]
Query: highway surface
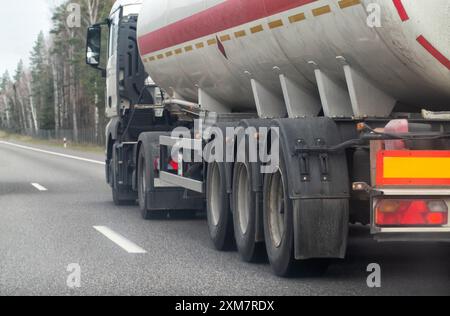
[56,213]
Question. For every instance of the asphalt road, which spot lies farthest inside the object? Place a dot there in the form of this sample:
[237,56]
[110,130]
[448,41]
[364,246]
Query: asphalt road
[43,232]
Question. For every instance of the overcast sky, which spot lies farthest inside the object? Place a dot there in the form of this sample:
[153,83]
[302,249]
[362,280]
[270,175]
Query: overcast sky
[20,23]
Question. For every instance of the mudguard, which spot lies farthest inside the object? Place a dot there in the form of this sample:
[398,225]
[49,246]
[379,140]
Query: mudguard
[320,189]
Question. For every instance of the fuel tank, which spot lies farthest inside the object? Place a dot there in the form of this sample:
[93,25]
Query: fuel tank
[372,52]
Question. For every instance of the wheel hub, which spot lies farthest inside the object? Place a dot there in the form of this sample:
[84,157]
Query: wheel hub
[215,196]
[277,209]
[243,199]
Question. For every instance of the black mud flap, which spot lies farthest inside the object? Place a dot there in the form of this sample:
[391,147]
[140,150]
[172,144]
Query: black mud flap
[321,228]
[318,185]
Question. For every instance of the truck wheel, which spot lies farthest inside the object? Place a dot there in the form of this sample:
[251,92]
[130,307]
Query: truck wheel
[278,223]
[244,214]
[144,178]
[220,219]
[279,229]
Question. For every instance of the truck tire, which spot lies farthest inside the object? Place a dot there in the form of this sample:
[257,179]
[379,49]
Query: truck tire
[120,196]
[244,214]
[220,219]
[279,229]
[145,174]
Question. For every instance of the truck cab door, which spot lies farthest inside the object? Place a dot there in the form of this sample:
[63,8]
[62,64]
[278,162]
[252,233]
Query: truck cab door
[112,99]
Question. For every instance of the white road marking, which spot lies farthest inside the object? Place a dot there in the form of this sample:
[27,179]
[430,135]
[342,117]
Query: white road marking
[119,240]
[53,153]
[39,187]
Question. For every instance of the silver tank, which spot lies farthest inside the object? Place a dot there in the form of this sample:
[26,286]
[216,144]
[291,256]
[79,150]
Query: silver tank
[399,47]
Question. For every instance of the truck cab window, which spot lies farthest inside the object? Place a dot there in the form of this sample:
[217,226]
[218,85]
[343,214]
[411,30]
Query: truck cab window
[114,31]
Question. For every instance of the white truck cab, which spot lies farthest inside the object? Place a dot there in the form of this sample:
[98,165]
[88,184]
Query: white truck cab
[133,101]
[121,9]
[124,67]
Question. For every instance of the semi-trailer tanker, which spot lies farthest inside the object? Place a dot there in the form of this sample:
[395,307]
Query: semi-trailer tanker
[344,102]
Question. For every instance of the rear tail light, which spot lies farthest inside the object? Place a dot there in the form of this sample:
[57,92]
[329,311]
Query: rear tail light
[411,213]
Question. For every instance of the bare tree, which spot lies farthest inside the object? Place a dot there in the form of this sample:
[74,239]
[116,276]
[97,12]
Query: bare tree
[5,109]
[27,79]
[93,9]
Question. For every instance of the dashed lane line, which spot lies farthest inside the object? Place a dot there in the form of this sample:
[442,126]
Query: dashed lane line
[39,187]
[119,240]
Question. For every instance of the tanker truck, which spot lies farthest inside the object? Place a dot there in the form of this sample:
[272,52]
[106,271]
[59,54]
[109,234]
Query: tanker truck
[327,113]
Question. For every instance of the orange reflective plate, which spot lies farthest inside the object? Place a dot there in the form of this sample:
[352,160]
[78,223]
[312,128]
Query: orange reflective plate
[413,168]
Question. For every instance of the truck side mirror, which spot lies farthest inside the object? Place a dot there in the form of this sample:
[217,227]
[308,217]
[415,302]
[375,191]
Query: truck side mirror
[93,47]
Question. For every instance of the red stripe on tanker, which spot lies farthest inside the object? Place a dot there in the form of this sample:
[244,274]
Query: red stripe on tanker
[433,51]
[401,10]
[221,17]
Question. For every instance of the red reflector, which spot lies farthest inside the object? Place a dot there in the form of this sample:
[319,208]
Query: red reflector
[174,165]
[436,218]
[411,213]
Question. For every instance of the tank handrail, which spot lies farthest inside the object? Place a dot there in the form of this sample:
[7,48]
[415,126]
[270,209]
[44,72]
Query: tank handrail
[185,104]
